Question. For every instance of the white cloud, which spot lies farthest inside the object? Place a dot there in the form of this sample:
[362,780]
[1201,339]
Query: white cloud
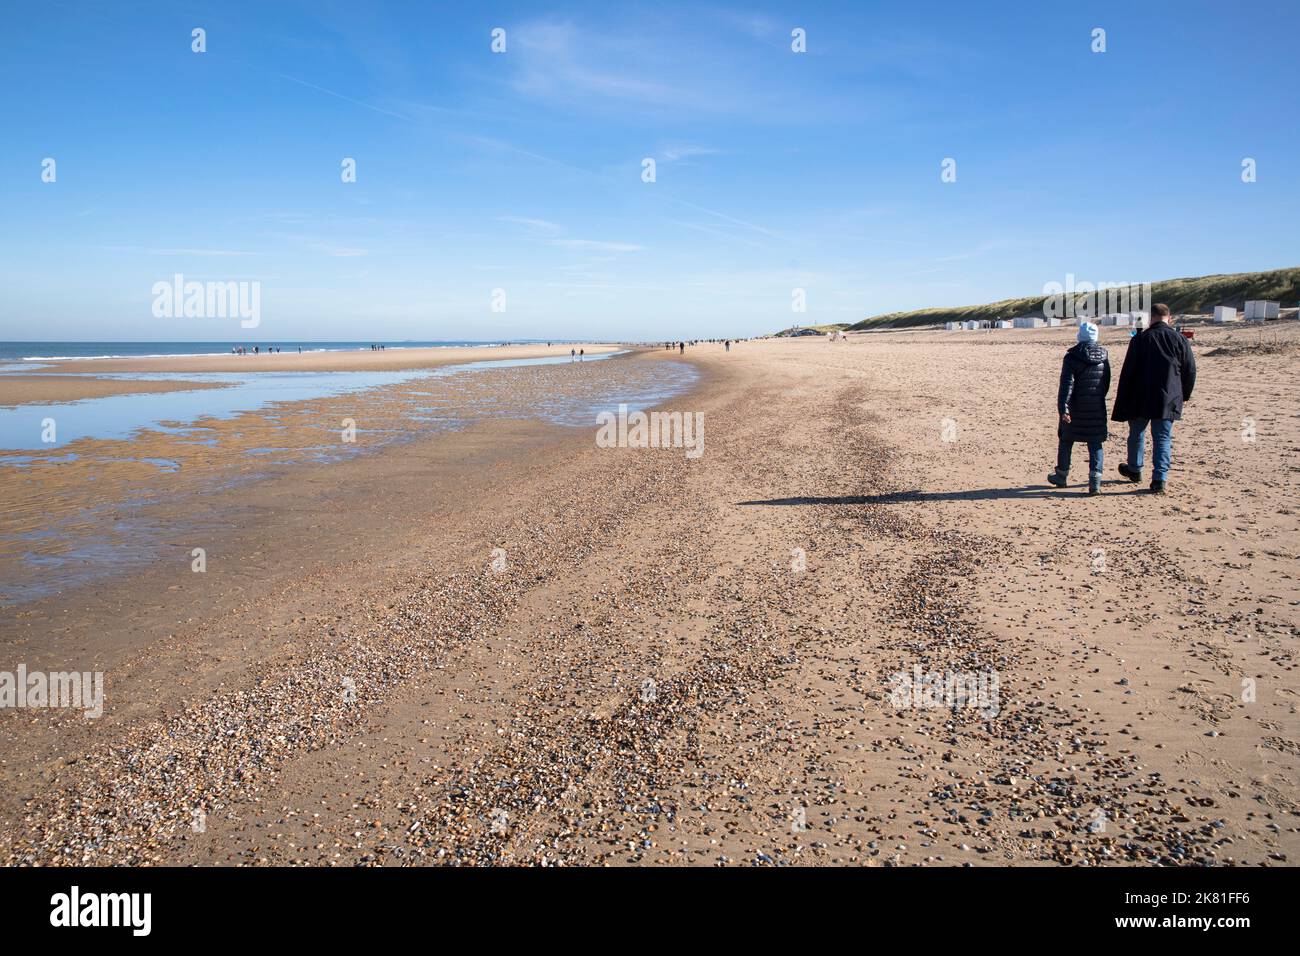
[596,245]
[537,225]
[139,250]
[672,154]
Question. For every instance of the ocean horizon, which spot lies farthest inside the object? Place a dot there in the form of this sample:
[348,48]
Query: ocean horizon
[38,351]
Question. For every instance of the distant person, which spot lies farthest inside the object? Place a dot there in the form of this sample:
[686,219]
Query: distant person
[581,353]
[1157,380]
[1081,405]
[682,347]
[727,344]
[573,355]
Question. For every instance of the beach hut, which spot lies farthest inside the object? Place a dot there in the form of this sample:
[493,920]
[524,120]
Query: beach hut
[1224,313]
[952,326]
[1118,318]
[1260,309]
[971,324]
[1028,322]
[1002,324]
[1053,323]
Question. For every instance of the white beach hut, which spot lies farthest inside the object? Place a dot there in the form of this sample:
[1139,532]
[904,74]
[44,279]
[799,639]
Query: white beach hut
[971,324]
[1053,323]
[952,326]
[1002,324]
[1118,318]
[1261,309]
[1224,313]
[1028,322]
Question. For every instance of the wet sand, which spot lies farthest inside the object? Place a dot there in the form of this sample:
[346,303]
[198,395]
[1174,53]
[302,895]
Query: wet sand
[507,645]
[40,389]
[94,504]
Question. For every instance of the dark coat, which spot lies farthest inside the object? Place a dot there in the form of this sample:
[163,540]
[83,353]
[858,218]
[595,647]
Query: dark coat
[1085,380]
[1158,376]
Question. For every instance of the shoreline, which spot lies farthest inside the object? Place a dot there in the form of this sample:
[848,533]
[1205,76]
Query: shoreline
[54,388]
[73,379]
[56,494]
[361,359]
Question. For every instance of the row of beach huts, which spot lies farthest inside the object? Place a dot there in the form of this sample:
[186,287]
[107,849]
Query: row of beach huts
[1256,310]
[1037,322]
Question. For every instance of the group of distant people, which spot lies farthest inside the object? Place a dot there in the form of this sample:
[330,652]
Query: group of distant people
[257,350]
[1155,383]
[575,355]
[681,346]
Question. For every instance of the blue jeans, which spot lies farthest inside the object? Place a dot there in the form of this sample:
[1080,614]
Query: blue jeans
[1162,445]
[1096,457]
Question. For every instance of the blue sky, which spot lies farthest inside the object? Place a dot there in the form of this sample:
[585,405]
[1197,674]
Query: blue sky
[522,170]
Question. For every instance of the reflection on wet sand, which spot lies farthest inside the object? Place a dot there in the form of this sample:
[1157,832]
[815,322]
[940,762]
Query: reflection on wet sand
[80,509]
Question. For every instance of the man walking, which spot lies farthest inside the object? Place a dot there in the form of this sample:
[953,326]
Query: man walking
[1157,379]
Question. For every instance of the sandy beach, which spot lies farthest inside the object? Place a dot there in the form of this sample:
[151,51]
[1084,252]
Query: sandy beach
[504,644]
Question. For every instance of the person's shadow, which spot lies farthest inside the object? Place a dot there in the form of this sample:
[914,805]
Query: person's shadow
[900,497]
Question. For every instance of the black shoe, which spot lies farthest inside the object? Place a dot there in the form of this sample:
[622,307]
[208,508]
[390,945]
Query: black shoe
[1094,487]
[1157,487]
[1056,478]
[1132,474]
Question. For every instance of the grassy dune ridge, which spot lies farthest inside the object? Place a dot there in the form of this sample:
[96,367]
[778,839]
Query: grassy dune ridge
[1188,295]
[831,327]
